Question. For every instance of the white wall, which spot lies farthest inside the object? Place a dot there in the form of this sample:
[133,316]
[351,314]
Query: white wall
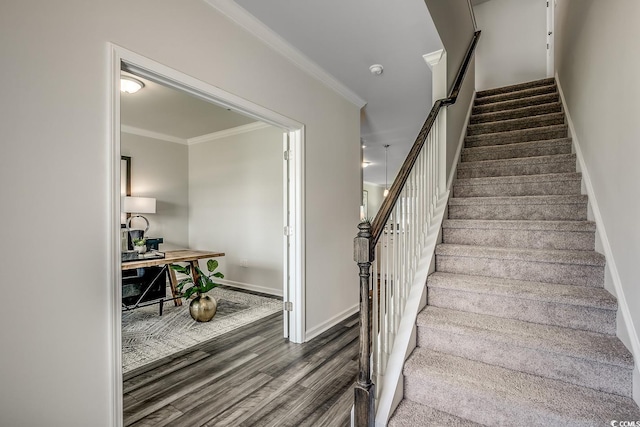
[375,194]
[56,169]
[598,68]
[513,46]
[160,169]
[236,206]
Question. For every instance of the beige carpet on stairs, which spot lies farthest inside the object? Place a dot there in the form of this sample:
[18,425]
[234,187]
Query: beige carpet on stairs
[518,328]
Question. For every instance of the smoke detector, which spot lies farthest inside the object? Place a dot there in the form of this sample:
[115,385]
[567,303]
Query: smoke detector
[376,69]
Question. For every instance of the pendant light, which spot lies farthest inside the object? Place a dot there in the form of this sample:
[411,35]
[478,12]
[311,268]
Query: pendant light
[386,175]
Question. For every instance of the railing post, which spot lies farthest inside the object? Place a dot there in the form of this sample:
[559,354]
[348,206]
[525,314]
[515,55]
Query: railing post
[364,409]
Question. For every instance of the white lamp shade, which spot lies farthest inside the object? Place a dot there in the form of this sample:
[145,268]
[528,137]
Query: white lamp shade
[139,205]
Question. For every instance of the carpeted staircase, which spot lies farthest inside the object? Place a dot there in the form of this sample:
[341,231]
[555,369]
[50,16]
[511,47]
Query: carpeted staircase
[518,329]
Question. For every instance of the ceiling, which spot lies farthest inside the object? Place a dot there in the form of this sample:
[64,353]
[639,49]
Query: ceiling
[167,111]
[346,37]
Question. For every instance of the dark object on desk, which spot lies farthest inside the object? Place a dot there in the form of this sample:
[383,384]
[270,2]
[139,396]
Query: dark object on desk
[153,243]
[130,256]
[152,280]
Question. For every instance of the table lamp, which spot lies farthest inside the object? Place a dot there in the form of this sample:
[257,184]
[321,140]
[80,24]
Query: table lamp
[136,206]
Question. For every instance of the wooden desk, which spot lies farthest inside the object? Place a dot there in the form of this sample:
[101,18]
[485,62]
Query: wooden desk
[173,257]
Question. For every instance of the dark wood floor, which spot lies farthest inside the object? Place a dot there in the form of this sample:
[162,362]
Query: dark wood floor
[249,377]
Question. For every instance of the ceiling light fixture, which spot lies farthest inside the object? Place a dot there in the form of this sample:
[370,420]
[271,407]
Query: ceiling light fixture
[386,183]
[376,69]
[130,85]
[365,164]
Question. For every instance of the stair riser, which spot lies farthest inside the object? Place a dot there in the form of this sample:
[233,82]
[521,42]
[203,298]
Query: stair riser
[534,239]
[536,134]
[526,310]
[543,90]
[515,104]
[508,354]
[477,405]
[577,212]
[564,274]
[472,155]
[517,168]
[516,87]
[522,189]
[506,126]
[518,113]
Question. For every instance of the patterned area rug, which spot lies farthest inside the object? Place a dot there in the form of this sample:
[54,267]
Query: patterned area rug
[147,337]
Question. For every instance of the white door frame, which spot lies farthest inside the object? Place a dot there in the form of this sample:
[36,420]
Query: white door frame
[294,265]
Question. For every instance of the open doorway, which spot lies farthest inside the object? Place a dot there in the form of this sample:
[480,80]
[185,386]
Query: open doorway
[255,118]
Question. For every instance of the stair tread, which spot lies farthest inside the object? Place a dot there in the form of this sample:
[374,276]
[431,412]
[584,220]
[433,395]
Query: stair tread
[528,111]
[411,414]
[594,346]
[551,256]
[516,161]
[516,87]
[517,145]
[547,292]
[516,103]
[517,179]
[516,94]
[539,225]
[515,133]
[513,390]
[534,120]
[520,200]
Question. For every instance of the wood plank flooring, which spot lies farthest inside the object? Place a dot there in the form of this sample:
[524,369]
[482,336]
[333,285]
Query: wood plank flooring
[249,377]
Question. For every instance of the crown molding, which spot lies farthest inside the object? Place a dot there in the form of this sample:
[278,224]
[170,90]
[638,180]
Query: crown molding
[150,134]
[227,133]
[432,59]
[240,16]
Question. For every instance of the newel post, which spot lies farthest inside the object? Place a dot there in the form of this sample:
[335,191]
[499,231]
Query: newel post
[364,412]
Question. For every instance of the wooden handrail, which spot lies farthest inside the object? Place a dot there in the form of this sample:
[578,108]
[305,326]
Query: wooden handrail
[377,226]
[367,238]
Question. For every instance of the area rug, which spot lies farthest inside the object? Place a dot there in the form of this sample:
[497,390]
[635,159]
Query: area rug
[147,337]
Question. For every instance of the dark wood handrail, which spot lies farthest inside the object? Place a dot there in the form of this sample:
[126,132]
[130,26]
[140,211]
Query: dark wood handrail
[377,226]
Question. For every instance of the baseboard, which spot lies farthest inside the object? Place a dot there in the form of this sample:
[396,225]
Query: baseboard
[623,305]
[250,287]
[330,323]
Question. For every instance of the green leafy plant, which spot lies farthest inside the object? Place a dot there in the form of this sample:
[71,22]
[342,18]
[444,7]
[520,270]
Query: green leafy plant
[139,242]
[203,283]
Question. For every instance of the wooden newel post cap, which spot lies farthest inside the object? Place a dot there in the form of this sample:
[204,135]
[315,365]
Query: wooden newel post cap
[361,243]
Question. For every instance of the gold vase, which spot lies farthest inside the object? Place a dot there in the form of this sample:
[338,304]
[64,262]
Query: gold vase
[202,308]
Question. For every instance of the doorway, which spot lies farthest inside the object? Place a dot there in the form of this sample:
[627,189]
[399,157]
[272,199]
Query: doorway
[292,156]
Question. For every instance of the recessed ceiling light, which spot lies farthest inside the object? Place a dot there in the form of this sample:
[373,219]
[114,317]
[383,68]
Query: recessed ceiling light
[130,85]
[365,164]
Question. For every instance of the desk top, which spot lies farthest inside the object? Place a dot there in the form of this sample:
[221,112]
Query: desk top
[171,257]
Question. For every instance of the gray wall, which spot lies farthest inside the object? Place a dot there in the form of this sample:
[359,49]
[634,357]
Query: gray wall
[160,169]
[58,365]
[513,46]
[236,206]
[452,18]
[598,66]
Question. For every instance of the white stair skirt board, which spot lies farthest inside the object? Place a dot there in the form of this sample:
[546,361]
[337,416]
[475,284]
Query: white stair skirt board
[626,329]
[405,341]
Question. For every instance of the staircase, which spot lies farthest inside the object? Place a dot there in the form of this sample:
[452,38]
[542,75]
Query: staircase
[518,329]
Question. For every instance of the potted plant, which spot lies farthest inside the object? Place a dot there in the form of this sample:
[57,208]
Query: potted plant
[203,307]
[140,245]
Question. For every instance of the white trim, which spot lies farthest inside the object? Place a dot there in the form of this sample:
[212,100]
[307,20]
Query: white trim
[611,262]
[227,133]
[454,167]
[114,275]
[297,242]
[330,323]
[251,287]
[151,134]
[240,16]
[432,59]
